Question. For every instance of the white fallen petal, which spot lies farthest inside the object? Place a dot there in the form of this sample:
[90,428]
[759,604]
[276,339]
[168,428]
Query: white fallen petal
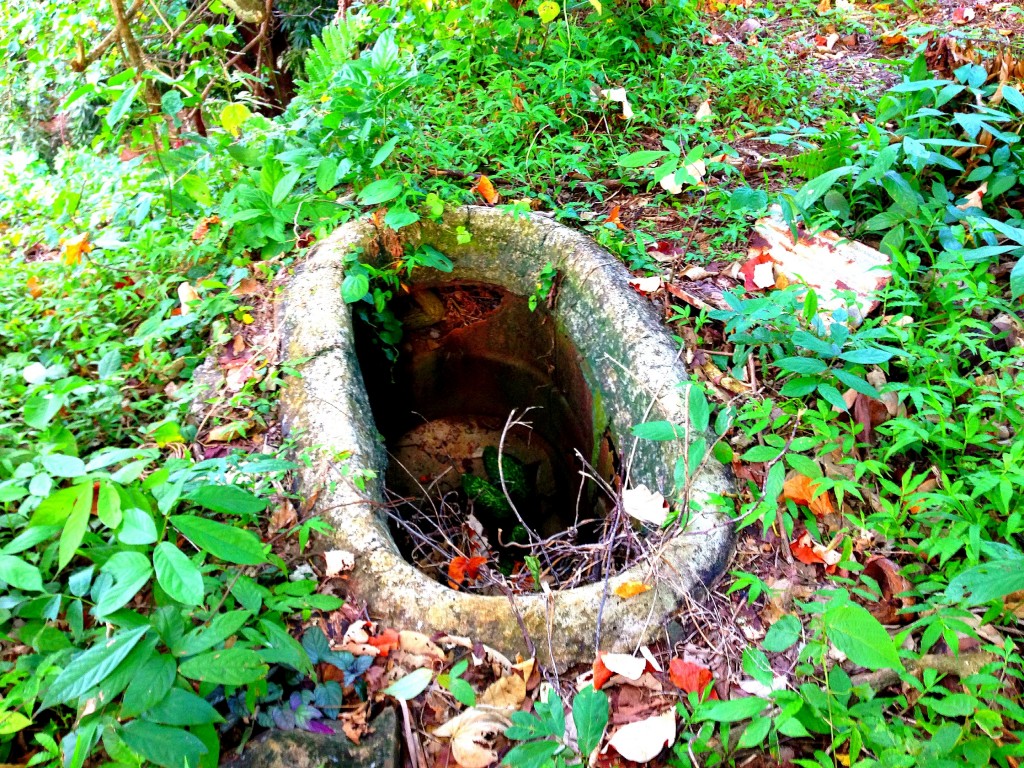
[645,504]
[619,95]
[34,373]
[630,667]
[644,740]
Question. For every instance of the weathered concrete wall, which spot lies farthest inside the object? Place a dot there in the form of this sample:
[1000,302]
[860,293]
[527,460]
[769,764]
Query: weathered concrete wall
[630,362]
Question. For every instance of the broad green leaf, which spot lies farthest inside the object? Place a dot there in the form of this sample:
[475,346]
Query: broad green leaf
[532,754]
[860,636]
[658,430]
[815,188]
[19,574]
[227,499]
[384,152]
[731,711]
[171,103]
[76,525]
[60,465]
[162,745]
[177,575]
[641,158]
[108,505]
[869,356]
[410,686]
[92,667]
[123,105]
[197,188]
[12,722]
[180,707]
[223,626]
[233,116]
[548,11]
[700,411]
[986,582]
[325,174]
[130,571]
[40,409]
[137,527]
[354,287]
[590,714]
[284,187]
[229,666]
[1016,280]
[804,365]
[287,650]
[225,542]
[747,199]
[150,684]
[380,191]
[782,634]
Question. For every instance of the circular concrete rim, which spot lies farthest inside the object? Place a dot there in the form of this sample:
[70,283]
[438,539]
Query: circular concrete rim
[327,408]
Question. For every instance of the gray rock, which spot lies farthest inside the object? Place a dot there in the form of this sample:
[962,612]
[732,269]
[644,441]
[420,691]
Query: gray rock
[634,371]
[301,749]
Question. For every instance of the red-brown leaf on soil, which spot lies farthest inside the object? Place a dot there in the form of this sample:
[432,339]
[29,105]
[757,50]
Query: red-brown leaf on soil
[462,568]
[601,673]
[890,609]
[753,279]
[808,551]
[690,677]
[385,642]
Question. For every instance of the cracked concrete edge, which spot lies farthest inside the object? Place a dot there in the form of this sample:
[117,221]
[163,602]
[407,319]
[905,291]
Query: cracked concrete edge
[329,407]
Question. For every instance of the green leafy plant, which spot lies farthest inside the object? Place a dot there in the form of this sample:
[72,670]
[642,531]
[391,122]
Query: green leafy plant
[543,734]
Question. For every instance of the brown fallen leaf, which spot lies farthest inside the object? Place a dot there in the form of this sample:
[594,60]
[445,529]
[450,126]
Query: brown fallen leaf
[473,736]
[891,608]
[893,38]
[246,287]
[506,693]
[645,505]
[963,15]
[284,516]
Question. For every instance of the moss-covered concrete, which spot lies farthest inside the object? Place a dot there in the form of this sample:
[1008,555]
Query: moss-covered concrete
[636,373]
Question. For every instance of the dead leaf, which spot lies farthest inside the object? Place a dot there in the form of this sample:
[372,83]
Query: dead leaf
[628,589]
[473,735]
[462,568]
[337,561]
[800,489]
[35,289]
[703,112]
[756,688]
[646,653]
[826,43]
[419,644]
[894,38]
[74,247]
[186,295]
[891,608]
[808,551]
[284,516]
[973,200]
[486,190]
[506,693]
[690,677]
[963,15]
[644,740]
[645,505]
[625,664]
[749,26]
[758,272]
[385,642]
[225,433]
[824,6]
[613,217]
[619,95]
[246,287]
[601,673]
[646,284]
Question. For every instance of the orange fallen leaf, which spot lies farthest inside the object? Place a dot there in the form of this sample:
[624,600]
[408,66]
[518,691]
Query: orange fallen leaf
[824,6]
[462,568]
[486,190]
[385,642]
[628,589]
[613,217]
[690,677]
[800,489]
[808,551]
[894,38]
[203,227]
[963,15]
[915,500]
[601,673]
[74,248]
[35,289]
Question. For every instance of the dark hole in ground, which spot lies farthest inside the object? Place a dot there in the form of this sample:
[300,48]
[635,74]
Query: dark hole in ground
[471,354]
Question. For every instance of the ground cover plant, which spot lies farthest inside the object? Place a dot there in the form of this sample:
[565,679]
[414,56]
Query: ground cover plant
[164,165]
